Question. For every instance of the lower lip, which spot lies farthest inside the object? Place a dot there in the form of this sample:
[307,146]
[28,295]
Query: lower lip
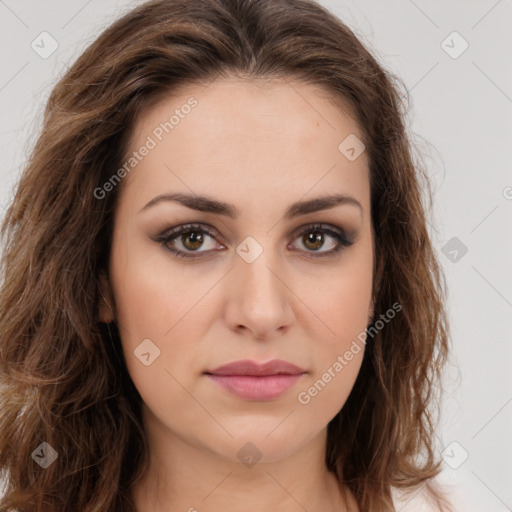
[252,387]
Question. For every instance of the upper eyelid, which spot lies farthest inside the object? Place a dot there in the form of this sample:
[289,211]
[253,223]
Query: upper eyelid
[211,231]
[344,237]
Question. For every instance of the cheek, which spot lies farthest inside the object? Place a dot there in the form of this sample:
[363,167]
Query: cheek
[341,303]
[151,298]
[338,350]
[325,393]
[345,305]
[155,304]
[341,298]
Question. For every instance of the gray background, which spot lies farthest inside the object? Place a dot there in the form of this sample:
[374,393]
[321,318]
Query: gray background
[461,115]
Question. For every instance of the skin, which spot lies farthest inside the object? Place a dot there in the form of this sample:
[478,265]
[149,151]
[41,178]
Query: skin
[261,146]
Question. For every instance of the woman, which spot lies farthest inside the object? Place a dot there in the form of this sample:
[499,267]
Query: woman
[218,288]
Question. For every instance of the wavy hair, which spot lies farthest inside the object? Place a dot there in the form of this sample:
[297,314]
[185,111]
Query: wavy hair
[63,377]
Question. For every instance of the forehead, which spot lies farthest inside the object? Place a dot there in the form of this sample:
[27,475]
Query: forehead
[272,106]
[241,135]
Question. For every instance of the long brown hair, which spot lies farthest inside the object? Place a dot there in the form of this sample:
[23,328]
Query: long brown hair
[63,378]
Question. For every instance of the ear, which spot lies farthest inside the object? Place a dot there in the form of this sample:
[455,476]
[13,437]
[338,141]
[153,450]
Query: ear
[105,311]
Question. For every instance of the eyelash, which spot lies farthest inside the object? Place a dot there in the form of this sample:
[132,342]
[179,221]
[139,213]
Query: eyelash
[170,235]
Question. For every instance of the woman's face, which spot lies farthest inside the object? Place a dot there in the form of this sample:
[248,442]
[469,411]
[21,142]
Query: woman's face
[257,280]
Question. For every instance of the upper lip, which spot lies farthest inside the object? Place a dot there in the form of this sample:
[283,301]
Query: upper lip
[248,367]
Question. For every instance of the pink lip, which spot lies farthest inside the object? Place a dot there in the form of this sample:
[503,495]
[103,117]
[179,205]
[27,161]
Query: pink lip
[253,381]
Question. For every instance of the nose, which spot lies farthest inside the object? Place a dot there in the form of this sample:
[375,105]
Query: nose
[258,302]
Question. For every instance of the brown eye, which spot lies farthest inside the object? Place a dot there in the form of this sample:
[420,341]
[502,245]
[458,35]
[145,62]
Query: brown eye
[192,240]
[313,241]
[313,238]
[183,241]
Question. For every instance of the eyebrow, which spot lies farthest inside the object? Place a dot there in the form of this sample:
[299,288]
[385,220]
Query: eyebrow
[210,205]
